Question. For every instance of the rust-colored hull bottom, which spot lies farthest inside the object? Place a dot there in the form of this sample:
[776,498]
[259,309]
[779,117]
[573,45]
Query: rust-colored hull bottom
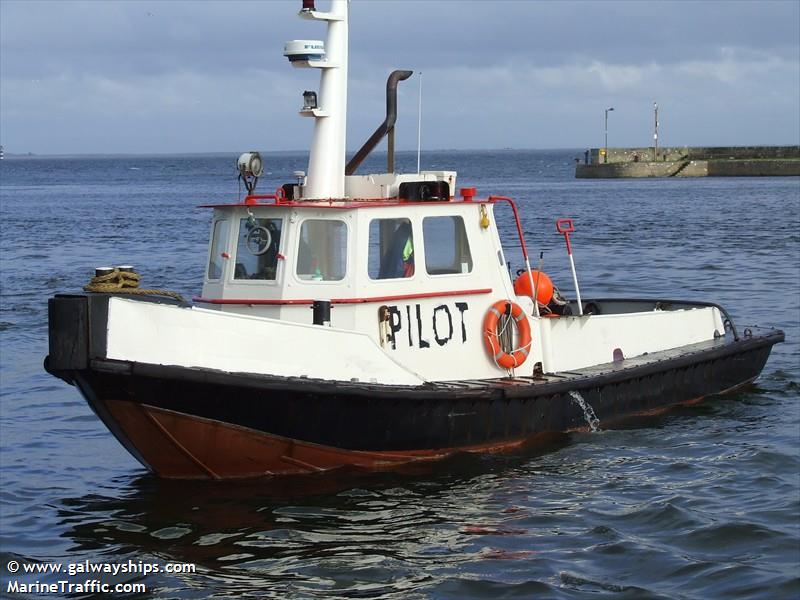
[178,445]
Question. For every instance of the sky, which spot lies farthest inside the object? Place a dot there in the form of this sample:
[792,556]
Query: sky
[172,76]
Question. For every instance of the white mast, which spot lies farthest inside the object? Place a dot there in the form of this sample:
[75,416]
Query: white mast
[326,158]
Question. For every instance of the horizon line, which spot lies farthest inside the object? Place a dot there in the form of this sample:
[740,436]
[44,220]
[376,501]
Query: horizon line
[276,152]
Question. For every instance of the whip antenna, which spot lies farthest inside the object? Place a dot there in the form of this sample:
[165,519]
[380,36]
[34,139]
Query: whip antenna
[419,122]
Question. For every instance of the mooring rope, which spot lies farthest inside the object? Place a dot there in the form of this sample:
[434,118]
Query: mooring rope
[125,282]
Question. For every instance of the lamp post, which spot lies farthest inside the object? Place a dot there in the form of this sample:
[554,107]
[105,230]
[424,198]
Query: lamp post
[605,152]
[655,132]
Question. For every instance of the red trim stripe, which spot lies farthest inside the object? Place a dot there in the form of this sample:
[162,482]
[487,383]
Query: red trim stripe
[411,296]
[254,302]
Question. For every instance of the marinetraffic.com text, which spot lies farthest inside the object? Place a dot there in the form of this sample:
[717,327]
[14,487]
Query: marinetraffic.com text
[84,576]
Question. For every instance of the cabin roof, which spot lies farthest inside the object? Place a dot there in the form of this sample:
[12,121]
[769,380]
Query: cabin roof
[347,204]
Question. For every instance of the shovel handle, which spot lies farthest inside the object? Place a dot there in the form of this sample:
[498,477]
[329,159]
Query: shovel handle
[565,227]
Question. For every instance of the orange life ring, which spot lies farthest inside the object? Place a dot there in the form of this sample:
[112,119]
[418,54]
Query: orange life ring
[507,360]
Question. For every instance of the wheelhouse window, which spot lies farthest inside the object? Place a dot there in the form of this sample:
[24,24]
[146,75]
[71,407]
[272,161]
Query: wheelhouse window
[322,250]
[446,246]
[391,249]
[219,246]
[257,249]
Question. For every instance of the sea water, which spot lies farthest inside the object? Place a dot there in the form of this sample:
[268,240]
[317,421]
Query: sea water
[701,502]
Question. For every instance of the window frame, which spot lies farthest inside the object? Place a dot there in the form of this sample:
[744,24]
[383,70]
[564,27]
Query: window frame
[224,248]
[466,238]
[280,250]
[296,246]
[412,223]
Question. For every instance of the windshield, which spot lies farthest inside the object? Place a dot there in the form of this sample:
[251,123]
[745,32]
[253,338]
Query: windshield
[258,248]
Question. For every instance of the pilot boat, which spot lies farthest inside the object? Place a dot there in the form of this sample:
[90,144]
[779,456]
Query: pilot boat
[371,321]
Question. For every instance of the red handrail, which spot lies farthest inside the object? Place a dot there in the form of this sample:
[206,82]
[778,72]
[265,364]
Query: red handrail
[279,196]
[493,200]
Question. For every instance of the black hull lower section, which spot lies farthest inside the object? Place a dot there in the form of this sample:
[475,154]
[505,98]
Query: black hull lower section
[190,408]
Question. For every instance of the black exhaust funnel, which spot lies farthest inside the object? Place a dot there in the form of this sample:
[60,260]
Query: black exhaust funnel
[387,127]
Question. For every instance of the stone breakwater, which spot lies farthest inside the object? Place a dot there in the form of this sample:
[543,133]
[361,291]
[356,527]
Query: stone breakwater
[721,161]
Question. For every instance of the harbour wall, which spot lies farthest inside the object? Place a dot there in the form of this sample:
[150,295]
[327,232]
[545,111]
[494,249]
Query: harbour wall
[697,161]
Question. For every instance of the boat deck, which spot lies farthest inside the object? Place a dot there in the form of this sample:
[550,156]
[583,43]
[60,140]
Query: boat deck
[755,337]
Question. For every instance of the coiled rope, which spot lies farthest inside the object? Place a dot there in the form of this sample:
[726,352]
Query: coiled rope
[125,282]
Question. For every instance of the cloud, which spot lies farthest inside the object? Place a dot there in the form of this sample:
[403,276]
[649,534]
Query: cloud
[205,76]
